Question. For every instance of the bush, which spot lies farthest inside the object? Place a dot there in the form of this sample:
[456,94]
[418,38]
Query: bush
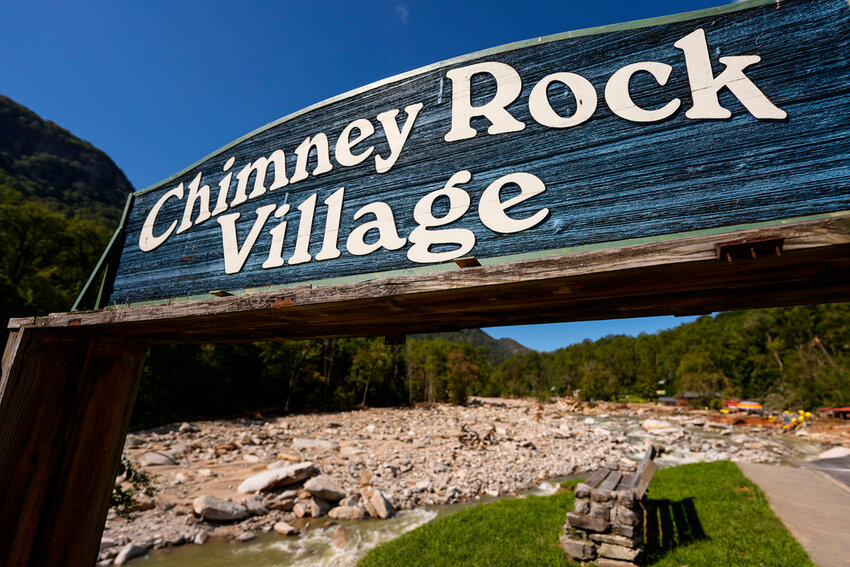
[135,483]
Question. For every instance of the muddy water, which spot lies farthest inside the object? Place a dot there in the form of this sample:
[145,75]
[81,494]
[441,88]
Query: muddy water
[316,547]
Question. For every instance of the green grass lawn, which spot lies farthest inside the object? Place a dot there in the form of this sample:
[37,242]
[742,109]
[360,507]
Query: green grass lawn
[701,514]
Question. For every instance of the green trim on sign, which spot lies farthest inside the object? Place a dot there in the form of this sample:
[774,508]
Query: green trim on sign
[451,266]
[636,24]
[103,257]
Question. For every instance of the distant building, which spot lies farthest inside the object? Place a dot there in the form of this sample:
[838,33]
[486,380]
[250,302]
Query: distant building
[695,399]
[837,413]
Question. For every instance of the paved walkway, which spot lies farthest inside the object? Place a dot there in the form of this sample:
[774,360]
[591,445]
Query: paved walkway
[814,507]
[838,468]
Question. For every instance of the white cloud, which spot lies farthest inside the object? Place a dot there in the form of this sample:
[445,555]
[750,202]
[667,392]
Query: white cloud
[403,13]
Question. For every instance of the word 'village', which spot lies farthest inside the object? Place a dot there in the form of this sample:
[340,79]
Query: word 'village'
[428,242]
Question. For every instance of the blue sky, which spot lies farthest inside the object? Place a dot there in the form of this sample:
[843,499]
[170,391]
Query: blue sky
[159,85]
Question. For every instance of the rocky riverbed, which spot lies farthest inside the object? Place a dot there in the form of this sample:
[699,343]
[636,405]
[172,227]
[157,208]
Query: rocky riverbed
[240,478]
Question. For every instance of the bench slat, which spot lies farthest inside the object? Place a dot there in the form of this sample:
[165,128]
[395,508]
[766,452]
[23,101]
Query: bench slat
[597,477]
[626,483]
[647,459]
[645,478]
[611,481]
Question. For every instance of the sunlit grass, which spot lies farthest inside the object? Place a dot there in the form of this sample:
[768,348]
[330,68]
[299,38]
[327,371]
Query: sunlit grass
[704,514]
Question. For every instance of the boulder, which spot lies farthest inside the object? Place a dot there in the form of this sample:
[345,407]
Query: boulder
[273,478]
[179,449]
[382,506]
[218,510]
[324,487]
[323,444]
[364,477]
[128,552]
[312,508]
[255,506]
[351,451]
[301,509]
[339,536]
[319,507]
[366,500]
[143,502]
[653,424]
[347,513]
[350,500]
[285,529]
[157,458]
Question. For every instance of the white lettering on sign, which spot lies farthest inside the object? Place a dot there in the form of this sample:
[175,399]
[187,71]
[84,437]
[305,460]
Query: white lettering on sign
[492,209]
[541,109]
[704,85]
[620,101]
[373,226]
[424,236]
[147,240]
[377,225]
[508,88]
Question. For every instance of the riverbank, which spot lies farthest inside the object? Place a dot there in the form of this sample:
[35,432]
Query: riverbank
[696,514]
[412,457]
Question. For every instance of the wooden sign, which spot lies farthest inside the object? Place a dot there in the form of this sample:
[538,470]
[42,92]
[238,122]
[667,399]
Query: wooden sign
[598,138]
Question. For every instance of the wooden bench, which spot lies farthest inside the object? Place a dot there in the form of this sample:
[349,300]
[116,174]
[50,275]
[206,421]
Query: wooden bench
[606,524]
[612,479]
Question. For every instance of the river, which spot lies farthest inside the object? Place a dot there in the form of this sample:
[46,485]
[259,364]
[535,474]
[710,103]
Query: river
[316,547]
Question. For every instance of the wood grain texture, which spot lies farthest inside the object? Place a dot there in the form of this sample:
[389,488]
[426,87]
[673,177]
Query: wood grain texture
[606,180]
[65,408]
[671,277]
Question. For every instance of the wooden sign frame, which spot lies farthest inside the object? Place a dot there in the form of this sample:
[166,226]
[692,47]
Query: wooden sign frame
[600,138]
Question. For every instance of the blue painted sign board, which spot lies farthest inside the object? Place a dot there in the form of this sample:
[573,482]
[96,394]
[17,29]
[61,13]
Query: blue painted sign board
[725,117]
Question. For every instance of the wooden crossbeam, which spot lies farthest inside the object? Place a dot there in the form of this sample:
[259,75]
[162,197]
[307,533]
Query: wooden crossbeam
[680,277]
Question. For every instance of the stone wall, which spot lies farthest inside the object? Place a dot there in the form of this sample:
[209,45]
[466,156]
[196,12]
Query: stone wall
[605,526]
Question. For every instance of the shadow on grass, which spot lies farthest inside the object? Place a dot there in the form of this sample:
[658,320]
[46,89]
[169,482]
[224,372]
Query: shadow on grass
[670,524]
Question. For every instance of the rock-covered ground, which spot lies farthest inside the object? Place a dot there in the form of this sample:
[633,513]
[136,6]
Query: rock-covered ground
[233,479]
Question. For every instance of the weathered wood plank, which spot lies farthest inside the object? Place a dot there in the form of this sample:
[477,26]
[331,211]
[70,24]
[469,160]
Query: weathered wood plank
[644,478]
[607,179]
[611,481]
[626,483]
[668,277]
[65,407]
[597,476]
[645,471]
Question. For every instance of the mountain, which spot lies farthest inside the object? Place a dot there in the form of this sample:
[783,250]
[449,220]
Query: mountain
[60,200]
[495,350]
[43,162]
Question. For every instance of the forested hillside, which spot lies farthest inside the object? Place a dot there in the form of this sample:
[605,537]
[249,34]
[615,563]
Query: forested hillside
[796,356]
[60,199]
[496,351]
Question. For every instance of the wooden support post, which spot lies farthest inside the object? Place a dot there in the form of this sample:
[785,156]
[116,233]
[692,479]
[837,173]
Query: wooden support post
[65,403]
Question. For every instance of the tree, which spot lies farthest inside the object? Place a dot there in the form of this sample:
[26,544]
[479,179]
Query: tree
[697,373]
[372,364]
[463,370]
[597,382]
